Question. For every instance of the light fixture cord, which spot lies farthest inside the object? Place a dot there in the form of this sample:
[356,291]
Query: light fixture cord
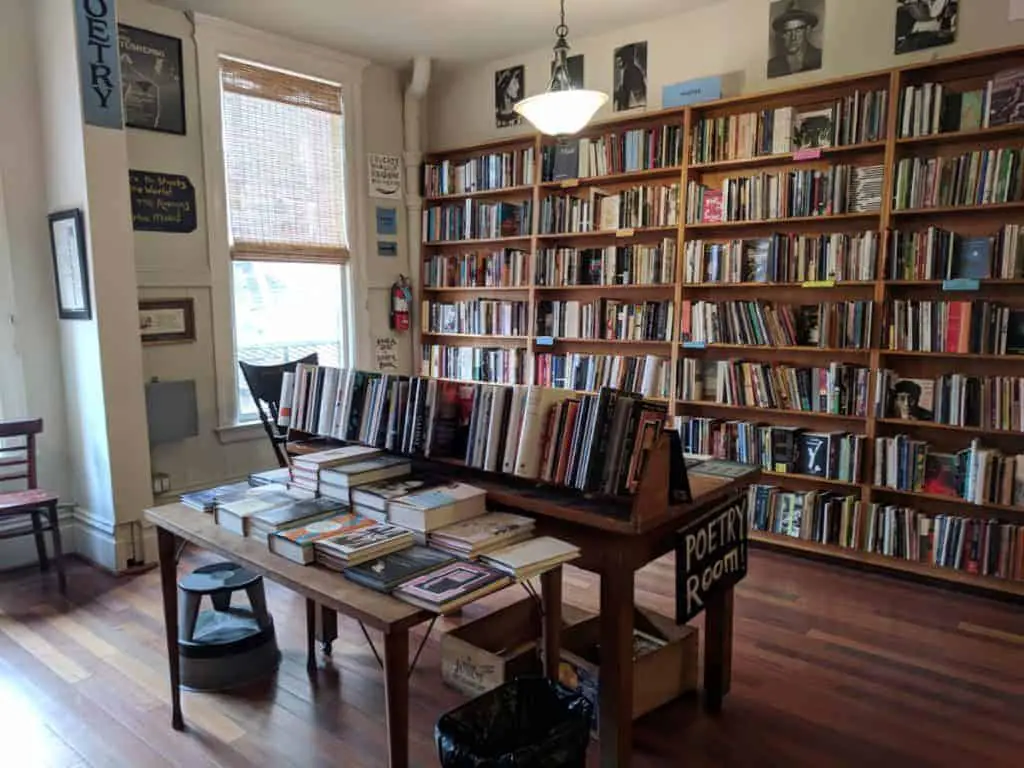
[561,30]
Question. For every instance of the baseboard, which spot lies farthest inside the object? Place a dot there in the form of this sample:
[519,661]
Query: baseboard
[106,544]
[17,553]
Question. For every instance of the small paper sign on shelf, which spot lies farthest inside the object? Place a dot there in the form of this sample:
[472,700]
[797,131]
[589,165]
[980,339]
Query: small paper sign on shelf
[570,183]
[807,154]
[625,232]
[961,284]
[818,284]
[695,345]
[545,341]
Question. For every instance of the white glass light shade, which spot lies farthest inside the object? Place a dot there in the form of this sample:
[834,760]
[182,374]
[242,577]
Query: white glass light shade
[561,113]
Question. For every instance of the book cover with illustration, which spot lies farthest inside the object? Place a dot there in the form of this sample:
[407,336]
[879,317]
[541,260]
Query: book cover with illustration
[813,130]
[385,573]
[912,399]
[941,472]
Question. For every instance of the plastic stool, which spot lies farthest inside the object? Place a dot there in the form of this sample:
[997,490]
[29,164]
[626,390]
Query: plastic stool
[228,646]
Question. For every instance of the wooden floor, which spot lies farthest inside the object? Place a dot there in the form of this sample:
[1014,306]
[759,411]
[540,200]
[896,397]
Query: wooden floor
[832,668]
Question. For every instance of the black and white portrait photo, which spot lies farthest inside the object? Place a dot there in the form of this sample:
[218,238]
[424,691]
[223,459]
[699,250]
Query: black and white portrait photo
[151,87]
[509,88]
[795,36]
[575,66]
[924,24]
[630,77]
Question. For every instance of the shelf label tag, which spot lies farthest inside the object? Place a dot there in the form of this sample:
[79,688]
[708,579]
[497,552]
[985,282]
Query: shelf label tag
[961,284]
[807,154]
[695,345]
[570,183]
[545,341]
[818,284]
[624,232]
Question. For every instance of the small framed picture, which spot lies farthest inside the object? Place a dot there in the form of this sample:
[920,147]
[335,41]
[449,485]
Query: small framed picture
[70,267]
[167,321]
[151,85]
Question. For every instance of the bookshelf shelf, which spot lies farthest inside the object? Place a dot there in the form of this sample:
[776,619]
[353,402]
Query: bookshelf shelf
[500,192]
[762,161]
[614,178]
[798,478]
[887,563]
[476,289]
[519,340]
[683,360]
[962,505]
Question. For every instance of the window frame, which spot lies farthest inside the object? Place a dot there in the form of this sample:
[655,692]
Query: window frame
[12,381]
[216,38]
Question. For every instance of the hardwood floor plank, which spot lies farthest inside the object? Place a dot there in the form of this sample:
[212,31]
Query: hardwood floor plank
[29,640]
[990,633]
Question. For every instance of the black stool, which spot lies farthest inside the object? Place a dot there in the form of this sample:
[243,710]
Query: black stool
[228,646]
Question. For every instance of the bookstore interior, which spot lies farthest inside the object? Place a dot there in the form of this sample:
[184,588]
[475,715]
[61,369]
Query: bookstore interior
[574,408]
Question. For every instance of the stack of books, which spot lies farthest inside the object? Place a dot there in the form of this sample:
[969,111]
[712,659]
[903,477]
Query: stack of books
[451,586]
[427,510]
[480,535]
[234,513]
[372,500]
[207,500]
[531,557]
[306,469]
[337,482]
[361,544]
[384,574]
[298,513]
[297,544]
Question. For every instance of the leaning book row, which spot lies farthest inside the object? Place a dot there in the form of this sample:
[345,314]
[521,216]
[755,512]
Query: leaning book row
[835,325]
[492,171]
[601,211]
[647,376]
[621,265]
[983,402]
[499,269]
[974,327]
[931,108]
[471,220]
[486,317]
[973,178]
[606,319]
[495,365]
[939,254]
[637,150]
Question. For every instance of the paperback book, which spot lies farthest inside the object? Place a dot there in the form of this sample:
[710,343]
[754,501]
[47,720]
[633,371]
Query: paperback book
[296,544]
[451,586]
[385,573]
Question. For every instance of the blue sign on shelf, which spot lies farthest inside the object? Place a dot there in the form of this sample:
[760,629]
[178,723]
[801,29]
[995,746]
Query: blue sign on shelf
[691,91]
[695,345]
[961,284]
[545,341]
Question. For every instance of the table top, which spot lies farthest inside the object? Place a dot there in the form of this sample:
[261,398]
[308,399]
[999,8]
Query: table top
[325,587]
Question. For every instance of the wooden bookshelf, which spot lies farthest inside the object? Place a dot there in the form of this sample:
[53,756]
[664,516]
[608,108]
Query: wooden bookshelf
[957,74]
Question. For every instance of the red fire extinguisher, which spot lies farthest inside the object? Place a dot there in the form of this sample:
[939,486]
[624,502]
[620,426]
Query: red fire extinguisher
[401,302]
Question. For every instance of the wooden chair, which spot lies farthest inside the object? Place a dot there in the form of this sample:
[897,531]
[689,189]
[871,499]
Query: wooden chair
[265,387]
[18,462]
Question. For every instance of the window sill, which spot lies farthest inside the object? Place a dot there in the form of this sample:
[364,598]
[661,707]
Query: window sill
[241,433]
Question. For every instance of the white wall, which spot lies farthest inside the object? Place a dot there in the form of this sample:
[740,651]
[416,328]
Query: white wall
[727,38]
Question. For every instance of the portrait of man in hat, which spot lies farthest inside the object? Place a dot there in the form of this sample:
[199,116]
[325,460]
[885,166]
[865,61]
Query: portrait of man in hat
[794,23]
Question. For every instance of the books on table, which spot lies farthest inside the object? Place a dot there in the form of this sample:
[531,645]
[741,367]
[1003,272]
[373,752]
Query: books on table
[371,500]
[451,586]
[207,500]
[306,469]
[297,543]
[262,524]
[337,482]
[360,545]
[472,538]
[531,557]
[433,508]
[233,513]
[276,476]
[385,573]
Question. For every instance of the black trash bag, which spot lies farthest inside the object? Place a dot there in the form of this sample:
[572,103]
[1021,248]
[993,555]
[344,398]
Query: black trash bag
[527,723]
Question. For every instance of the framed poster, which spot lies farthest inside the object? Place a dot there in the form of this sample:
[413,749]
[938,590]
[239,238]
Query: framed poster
[795,37]
[924,24]
[70,269]
[167,321]
[509,88]
[151,86]
[385,176]
[630,77]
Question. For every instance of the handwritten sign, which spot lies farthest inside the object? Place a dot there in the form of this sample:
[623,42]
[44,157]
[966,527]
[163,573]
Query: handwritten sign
[711,554]
[386,353]
[99,72]
[385,176]
[162,202]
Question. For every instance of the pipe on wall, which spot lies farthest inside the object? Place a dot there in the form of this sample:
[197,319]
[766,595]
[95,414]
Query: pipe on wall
[413,115]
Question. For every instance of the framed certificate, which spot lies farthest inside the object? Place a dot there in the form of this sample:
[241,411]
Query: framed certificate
[70,268]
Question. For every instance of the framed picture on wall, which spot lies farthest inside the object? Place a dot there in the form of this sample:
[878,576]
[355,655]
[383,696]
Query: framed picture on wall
[70,268]
[167,321]
[151,84]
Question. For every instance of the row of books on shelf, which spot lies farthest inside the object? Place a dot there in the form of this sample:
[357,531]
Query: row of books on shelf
[931,108]
[488,317]
[828,325]
[639,149]
[496,365]
[956,399]
[978,547]
[507,432]
[939,254]
[781,449]
[970,327]
[606,319]
[783,258]
[473,220]
[646,375]
[981,177]
[495,170]
[834,388]
[506,268]
[614,265]
[854,119]
[598,210]
[787,194]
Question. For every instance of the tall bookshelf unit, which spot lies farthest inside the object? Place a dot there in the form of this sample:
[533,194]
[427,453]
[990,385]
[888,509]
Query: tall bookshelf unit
[866,289]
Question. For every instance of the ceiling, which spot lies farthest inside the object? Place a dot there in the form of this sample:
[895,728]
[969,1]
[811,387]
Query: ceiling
[449,31]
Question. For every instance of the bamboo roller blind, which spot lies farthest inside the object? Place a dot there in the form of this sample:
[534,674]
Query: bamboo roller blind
[284,156]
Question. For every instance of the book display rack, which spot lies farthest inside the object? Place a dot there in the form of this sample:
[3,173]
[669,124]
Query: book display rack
[825,281]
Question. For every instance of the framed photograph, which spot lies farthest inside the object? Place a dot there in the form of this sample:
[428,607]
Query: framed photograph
[924,24]
[509,88]
[167,321]
[575,66]
[70,268]
[630,77]
[151,85]
[795,35]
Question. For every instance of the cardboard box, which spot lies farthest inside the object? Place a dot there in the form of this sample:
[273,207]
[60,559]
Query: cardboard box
[659,676]
[498,647]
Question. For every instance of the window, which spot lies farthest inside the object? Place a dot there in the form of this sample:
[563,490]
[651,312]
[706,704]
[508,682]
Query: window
[284,157]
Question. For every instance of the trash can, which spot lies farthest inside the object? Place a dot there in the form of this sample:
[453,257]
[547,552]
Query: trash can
[527,723]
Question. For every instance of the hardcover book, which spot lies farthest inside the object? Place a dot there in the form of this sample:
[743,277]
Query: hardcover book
[449,587]
[974,258]
[941,474]
[532,557]
[813,130]
[433,508]
[297,543]
[375,496]
[912,399]
[812,454]
[481,534]
[1007,98]
[385,573]
[206,501]
[365,543]
[711,211]
[361,472]
[294,514]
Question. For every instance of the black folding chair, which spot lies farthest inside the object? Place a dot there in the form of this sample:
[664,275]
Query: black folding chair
[265,387]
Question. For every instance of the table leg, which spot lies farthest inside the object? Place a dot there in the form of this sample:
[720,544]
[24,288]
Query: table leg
[396,696]
[167,545]
[615,723]
[326,628]
[717,649]
[311,609]
[551,594]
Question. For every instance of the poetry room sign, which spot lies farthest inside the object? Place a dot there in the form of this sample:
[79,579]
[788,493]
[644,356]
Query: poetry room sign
[711,554]
[100,72]
[162,202]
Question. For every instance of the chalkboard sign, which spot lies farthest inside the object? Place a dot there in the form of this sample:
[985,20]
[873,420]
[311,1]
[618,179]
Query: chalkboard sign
[162,202]
[711,554]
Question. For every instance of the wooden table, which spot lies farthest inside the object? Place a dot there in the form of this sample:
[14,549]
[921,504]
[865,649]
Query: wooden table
[389,616]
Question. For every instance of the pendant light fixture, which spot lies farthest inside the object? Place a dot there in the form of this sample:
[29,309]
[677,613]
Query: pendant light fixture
[561,110]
